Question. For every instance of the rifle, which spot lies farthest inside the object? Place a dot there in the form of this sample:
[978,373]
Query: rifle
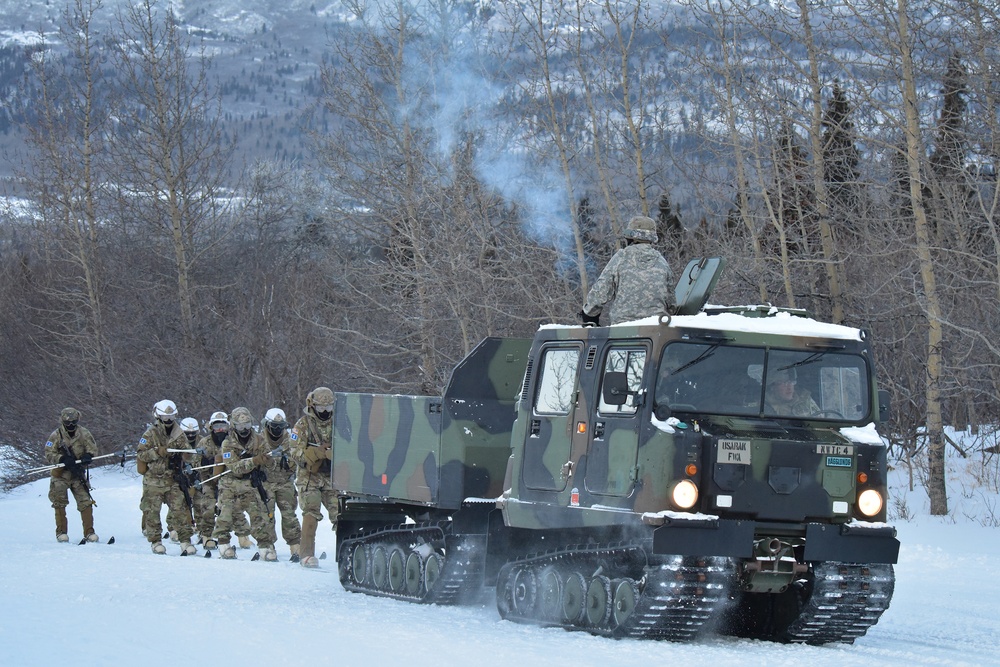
[77,470]
[180,476]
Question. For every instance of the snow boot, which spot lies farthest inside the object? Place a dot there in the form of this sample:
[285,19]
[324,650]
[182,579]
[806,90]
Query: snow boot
[87,516]
[227,550]
[158,548]
[307,547]
[188,549]
[174,537]
[62,532]
[294,549]
[245,542]
[210,543]
[269,554]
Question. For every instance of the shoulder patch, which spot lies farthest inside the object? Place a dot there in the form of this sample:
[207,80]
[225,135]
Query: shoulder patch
[293,436]
[142,441]
[227,455]
[48,444]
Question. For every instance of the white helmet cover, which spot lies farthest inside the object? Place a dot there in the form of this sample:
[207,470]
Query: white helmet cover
[275,415]
[217,417]
[165,410]
[189,425]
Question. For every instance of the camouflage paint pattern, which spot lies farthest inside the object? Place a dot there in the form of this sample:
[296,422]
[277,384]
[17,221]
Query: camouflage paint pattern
[431,450]
[582,467]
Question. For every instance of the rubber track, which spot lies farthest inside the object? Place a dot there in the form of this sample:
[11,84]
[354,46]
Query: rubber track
[678,596]
[846,600]
[459,580]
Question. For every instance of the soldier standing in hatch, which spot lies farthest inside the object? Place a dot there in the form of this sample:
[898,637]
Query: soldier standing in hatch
[159,482]
[280,484]
[312,451]
[245,454]
[637,279]
[66,445]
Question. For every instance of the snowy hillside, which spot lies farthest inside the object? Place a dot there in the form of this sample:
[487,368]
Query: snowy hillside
[102,604]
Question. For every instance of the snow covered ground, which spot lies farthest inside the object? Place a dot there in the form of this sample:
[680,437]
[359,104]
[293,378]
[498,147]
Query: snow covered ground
[102,604]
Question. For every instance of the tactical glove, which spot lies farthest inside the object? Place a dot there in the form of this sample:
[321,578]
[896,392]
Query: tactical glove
[314,454]
[590,320]
[86,458]
[67,460]
[259,459]
[162,452]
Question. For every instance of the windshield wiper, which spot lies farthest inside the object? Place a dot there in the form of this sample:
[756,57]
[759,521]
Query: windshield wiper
[708,351]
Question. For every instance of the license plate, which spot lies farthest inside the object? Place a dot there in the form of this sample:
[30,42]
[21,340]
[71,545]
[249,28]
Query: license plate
[835,450]
[734,451]
[838,461]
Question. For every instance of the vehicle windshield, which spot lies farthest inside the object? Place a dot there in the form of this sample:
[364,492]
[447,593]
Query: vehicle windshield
[712,378]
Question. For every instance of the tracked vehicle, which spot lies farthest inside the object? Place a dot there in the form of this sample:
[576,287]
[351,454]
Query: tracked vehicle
[651,479]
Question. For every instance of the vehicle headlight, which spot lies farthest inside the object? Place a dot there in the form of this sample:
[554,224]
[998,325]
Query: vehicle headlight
[870,502]
[685,494]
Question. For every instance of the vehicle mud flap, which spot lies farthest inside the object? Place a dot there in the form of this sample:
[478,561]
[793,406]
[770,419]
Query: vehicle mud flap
[704,537]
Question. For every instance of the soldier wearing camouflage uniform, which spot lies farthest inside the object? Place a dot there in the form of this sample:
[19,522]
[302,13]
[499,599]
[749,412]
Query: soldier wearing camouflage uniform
[312,451]
[206,498]
[68,444]
[638,279]
[245,454]
[280,482]
[160,481]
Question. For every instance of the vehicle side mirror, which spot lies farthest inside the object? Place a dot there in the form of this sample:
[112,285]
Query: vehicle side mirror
[615,390]
[884,407]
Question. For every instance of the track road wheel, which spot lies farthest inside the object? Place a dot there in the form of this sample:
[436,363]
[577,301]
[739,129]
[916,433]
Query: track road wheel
[359,564]
[598,601]
[624,596]
[525,592]
[549,595]
[380,567]
[432,570]
[413,573]
[573,594]
[397,570]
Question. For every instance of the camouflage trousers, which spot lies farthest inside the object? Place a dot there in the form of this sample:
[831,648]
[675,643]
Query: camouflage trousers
[157,492]
[315,491]
[282,495]
[60,487]
[236,499]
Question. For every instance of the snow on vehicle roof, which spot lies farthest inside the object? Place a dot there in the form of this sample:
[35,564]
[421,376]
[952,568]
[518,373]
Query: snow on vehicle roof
[776,322]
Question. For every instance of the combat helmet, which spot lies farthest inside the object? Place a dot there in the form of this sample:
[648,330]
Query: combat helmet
[189,425]
[165,412]
[69,418]
[242,422]
[319,401]
[274,422]
[641,228]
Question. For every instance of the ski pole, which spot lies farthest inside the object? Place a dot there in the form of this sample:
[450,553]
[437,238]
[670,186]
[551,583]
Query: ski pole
[63,465]
[225,472]
[182,451]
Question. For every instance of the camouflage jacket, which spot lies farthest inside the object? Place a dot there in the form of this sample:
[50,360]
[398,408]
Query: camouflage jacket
[160,467]
[279,468]
[213,454]
[638,280]
[237,458]
[308,432]
[79,444]
[800,405]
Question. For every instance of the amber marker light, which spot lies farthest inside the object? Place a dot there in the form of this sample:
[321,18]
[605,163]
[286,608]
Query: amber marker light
[862,477]
[581,427]
[691,470]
